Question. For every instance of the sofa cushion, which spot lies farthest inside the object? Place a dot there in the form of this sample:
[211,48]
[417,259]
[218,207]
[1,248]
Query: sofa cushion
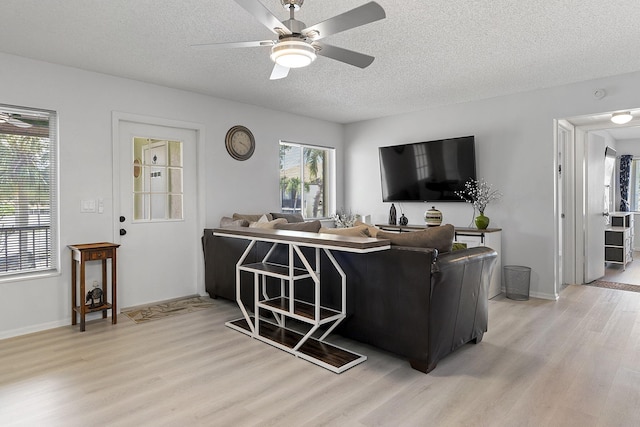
[293,217]
[373,230]
[225,221]
[440,238]
[265,223]
[356,231]
[310,226]
[251,217]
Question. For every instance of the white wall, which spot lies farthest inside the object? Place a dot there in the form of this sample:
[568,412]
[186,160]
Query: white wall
[515,152]
[85,102]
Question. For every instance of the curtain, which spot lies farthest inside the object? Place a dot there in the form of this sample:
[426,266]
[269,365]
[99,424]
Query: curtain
[625,174]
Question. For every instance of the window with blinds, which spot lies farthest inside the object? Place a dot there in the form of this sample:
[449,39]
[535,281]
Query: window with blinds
[28,191]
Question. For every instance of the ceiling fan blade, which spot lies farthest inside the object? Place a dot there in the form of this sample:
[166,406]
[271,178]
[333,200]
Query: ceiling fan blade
[365,14]
[279,72]
[344,55]
[263,15]
[207,46]
[19,123]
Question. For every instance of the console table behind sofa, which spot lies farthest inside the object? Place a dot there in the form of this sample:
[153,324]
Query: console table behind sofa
[401,300]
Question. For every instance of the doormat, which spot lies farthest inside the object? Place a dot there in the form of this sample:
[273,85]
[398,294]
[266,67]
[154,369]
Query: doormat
[614,285]
[168,309]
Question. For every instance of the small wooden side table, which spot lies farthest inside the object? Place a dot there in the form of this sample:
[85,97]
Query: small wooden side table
[92,252]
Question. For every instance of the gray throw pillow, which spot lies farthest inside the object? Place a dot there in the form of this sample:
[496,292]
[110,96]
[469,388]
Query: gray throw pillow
[265,223]
[358,231]
[311,226]
[225,221]
[251,217]
[291,218]
[440,238]
[373,230]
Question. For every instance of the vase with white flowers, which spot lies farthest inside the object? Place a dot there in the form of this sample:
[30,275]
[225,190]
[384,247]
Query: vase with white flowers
[479,193]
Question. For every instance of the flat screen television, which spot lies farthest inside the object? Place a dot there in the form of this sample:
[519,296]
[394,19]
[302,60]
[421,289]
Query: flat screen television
[429,171]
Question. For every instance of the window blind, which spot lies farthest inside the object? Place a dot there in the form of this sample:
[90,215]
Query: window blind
[28,190]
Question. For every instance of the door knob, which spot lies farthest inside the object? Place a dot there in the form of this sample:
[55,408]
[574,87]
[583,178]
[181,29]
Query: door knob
[123,231]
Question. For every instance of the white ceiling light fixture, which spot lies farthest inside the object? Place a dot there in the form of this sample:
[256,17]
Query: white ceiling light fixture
[621,117]
[293,53]
[297,45]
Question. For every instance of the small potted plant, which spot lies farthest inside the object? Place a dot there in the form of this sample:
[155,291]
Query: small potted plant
[344,219]
[479,193]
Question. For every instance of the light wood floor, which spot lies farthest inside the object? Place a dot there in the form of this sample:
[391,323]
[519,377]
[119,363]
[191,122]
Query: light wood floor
[630,274]
[575,361]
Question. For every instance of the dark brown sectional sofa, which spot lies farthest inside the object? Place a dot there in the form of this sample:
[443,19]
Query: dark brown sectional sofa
[410,301]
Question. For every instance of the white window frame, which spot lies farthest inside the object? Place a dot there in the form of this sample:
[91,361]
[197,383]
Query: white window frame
[49,263]
[329,198]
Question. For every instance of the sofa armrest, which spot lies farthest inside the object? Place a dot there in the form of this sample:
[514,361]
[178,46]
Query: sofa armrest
[459,301]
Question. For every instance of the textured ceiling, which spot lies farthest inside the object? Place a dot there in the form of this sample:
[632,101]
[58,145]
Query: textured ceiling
[427,52]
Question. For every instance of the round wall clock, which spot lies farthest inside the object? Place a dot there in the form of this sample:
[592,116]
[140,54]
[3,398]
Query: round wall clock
[240,143]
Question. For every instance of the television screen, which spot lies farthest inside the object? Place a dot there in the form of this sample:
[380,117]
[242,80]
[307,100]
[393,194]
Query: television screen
[427,171]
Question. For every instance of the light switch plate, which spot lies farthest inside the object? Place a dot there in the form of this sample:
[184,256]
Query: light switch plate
[88,206]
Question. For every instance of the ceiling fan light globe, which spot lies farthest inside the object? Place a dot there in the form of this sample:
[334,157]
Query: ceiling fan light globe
[293,54]
[621,117]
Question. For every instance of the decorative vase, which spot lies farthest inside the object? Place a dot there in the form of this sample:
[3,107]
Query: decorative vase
[482,221]
[433,217]
[393,216]
[403,220]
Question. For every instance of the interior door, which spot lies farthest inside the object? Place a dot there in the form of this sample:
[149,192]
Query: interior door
[157,193]
[595,217]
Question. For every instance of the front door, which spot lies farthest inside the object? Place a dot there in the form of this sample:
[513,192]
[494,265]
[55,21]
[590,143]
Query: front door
[157,218]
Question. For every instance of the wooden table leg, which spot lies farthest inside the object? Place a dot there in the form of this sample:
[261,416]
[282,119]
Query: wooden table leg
[104,286]
[114,305]
[83,306]
[74,319]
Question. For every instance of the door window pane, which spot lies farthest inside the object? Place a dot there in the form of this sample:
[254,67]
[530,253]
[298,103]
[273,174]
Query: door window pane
[157,180]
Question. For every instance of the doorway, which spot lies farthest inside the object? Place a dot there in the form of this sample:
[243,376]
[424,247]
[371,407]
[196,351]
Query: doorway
[158,208]
[573,200]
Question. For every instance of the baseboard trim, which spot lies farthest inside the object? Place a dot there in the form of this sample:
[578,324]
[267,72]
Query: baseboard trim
[34,328]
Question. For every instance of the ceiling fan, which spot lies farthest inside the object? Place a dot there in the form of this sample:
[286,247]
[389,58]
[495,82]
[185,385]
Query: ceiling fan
[297,45]
[10,119]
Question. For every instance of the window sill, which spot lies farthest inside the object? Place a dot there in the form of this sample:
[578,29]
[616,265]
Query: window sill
[21,277]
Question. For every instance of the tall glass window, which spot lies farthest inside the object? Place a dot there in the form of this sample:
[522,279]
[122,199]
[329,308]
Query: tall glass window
[307,183]
[28,190]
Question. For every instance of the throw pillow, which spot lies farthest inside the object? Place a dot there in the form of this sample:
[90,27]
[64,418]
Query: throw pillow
[225,221]
[251,217]
[291,218]
[267,223]
[357,231]
[373,230]
[440,238]
[311,226]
